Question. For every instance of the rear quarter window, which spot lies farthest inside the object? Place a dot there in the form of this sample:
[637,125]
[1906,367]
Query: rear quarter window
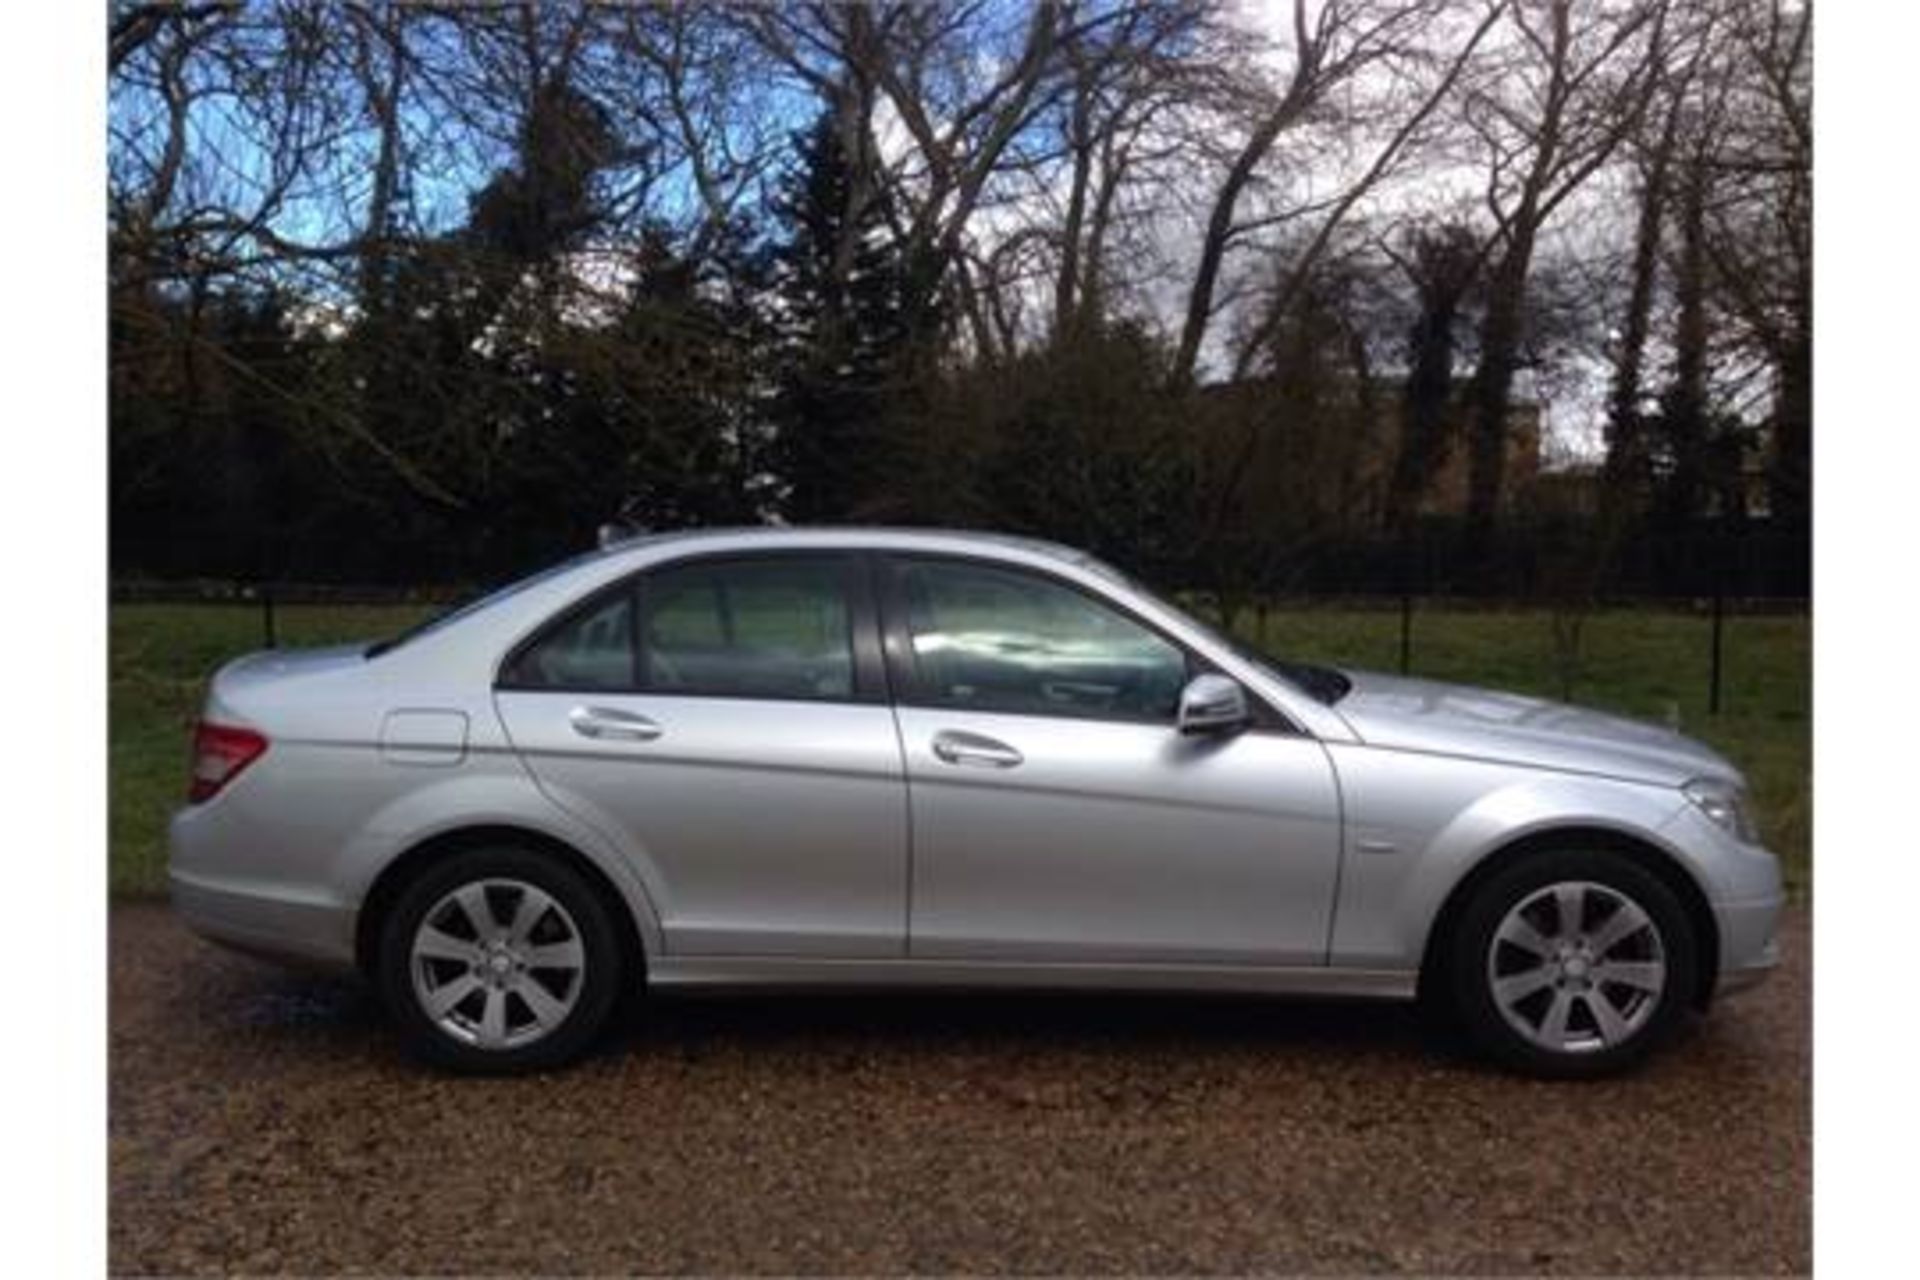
[592,650]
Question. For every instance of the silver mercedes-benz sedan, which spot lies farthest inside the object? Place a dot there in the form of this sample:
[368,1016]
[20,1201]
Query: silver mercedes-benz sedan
[867,758]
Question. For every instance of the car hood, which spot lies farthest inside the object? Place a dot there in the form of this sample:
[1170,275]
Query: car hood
[1451,719]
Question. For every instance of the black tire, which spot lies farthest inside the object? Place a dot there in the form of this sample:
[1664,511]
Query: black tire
[602,976]
[1470,966]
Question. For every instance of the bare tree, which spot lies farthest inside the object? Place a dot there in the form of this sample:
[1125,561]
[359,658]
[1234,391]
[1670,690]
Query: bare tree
[1332,45]
[1572,87]
[1758,232]
[1411,117]
[1121,81]
[958,107]
[693,87]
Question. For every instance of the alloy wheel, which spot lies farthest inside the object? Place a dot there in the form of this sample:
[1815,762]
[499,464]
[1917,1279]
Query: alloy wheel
[497,963]
[1577,967]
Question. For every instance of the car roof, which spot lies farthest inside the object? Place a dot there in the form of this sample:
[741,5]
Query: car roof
[861,535]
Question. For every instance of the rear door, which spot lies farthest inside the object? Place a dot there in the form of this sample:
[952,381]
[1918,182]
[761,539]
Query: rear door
[725,719]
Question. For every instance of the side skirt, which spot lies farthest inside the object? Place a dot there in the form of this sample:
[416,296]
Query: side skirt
[757,972]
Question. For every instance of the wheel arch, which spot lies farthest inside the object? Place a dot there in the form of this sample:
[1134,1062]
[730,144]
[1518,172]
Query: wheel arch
[414,861]
[1645,853]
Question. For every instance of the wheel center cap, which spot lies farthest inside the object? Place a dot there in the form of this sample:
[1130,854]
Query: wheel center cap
[500,962]
[1576,966]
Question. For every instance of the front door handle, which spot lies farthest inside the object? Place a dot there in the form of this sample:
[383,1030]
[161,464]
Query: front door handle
[975,749]
[608,724]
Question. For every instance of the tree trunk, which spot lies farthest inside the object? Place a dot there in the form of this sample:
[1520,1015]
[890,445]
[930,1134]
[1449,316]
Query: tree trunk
[1491,392]
[1626,473]
[1790,471]
[1213,248]
[1066,289]
[1428,396]
[1685,415]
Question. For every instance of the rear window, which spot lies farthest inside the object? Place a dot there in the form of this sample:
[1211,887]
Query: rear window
[484,601]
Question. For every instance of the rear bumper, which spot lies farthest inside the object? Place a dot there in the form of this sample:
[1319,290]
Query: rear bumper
[265,922]
[279,906]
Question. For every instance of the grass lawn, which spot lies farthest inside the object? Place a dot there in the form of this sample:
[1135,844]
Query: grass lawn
[1635,661]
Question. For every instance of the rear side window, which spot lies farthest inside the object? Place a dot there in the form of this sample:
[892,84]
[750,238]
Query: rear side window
[776,628]
[592,650]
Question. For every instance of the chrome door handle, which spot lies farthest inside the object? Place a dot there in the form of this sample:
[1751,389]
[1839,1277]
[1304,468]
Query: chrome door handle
[975,749]
[606,723]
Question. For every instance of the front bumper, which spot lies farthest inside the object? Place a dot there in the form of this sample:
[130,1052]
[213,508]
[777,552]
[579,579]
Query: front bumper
[1742,882]
[1749,949]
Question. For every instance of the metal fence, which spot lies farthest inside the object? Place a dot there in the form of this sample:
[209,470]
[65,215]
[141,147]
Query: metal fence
[1715,609]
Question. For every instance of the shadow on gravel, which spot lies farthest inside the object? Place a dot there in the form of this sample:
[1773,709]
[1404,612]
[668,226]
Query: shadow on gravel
[933,1022]
[295,1004]
[312,1019]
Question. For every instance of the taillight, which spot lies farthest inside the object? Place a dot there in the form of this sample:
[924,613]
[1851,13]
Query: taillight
[220,752]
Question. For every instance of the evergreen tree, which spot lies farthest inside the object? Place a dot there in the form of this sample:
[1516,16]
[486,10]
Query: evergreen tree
[532,212]
[844,336]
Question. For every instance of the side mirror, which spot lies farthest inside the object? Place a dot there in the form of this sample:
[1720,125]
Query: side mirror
[1213,704]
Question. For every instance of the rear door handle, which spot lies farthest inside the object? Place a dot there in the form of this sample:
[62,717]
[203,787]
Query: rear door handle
[956,747]
[608,724]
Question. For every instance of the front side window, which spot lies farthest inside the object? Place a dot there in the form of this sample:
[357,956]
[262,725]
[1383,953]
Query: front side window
[996,639]
[776,628]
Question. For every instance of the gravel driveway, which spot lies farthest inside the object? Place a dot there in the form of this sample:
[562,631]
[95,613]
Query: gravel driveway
[263,1121]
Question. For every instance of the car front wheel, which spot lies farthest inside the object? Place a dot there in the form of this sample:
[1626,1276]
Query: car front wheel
[500,960]
[1573,963]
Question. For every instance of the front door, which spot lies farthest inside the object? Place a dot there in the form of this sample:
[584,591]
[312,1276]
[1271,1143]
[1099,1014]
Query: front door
[725,721]
[1059,815]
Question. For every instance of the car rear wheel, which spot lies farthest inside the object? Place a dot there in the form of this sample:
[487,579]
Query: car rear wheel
[1573,963]
[500,959]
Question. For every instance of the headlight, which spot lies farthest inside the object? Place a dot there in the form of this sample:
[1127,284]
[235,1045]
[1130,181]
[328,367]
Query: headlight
[1725,803]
